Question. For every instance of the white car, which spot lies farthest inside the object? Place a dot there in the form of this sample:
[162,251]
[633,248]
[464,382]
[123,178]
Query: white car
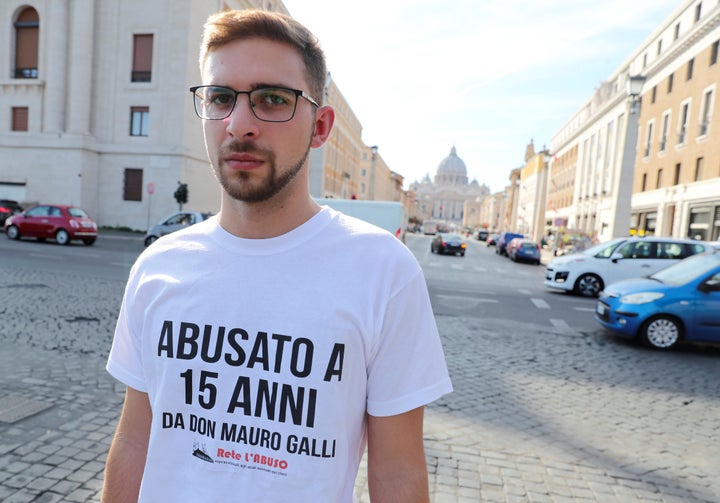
[587,273]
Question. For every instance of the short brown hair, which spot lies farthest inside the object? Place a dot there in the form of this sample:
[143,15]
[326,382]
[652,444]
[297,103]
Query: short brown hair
[228,26]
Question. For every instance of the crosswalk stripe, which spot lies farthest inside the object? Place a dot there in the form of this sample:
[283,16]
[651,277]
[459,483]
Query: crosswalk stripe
[540,304]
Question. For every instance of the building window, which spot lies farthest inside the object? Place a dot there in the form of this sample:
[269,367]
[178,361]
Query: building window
[659,178]
[690,66]
[706,112]
[27,28]
[648,140]
[678,169]
[714,52]
[142,58]
[670,82]
[132,184]
[654,94]
[699,168]
[644,60]
[139,121]
[664,131]
[682,130]
[659,47]
[644,182]
[677,32]
[19,118]
[698,11]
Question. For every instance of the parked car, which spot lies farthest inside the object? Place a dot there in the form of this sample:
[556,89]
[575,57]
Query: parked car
[448,243]
[174,222]
[503,240]
[62,223]
[514,242]
[678,303]
[588,272]
[492,240]
[482,235]
[8,208]
[524,250]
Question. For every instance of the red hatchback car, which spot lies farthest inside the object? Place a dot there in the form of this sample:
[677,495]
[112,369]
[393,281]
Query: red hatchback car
[52,221]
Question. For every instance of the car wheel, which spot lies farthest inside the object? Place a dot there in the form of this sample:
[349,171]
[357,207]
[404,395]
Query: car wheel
[13,232]
[432,249]
[588,285]
[462,254]
[661,332]
[62,237]
[88,241]
[150,240]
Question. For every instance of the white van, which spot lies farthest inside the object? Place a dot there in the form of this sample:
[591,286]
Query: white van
[587,273]
[388,215]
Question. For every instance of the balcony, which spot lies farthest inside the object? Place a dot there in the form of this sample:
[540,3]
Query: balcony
[26,73]
[143,76]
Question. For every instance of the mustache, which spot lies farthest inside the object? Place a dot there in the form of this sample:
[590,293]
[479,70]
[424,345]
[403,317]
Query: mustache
[241,147]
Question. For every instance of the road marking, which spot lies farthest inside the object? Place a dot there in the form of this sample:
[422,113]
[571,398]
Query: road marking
[459,302]
[585,309]
[40,255]
[524,291]
[561,324]
[540,304]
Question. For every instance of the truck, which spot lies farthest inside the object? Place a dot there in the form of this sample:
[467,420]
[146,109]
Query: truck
[388,215]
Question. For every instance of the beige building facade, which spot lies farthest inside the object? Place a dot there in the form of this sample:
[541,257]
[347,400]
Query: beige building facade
[647,163]
[676,187]
[95,110]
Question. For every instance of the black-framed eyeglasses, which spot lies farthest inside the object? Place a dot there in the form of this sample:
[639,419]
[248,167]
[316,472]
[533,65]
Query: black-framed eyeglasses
[269,104]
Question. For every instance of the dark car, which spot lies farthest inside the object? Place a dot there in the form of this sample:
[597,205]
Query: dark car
[482,235]
[448,243]
[8,208]
[525,250]
[503,240]
[60,222]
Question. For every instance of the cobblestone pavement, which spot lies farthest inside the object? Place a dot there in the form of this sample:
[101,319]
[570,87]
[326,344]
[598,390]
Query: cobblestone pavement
[537,415]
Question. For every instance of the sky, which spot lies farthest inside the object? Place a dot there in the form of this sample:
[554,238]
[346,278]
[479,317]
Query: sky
[484,76]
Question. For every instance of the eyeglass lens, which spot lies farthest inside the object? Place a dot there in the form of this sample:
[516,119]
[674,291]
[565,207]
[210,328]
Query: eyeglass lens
[268,104]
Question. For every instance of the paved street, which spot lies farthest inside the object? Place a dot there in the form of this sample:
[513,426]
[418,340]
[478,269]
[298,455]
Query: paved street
[538,413]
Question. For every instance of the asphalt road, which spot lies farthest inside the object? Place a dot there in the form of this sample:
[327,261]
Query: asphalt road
[546,406]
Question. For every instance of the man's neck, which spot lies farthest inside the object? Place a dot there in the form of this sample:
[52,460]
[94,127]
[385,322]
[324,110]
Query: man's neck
[266,219]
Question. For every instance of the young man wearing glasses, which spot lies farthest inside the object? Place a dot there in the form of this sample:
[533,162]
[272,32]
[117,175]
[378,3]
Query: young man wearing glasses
[264,348]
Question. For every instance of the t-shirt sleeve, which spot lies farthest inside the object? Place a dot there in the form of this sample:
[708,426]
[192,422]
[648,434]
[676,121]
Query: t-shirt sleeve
[407,368]
[125,360]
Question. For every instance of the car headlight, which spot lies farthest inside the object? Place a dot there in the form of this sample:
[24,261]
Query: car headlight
[641,298]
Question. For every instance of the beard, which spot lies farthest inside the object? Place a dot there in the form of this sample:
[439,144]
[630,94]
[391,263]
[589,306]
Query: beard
[246,187]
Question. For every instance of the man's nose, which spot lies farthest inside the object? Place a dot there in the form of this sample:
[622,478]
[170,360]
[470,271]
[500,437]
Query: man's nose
[242,121]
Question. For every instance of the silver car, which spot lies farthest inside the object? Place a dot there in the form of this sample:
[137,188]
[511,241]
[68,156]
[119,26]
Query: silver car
[173,223]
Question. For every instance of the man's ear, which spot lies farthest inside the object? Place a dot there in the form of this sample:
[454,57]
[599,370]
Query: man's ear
[324,120]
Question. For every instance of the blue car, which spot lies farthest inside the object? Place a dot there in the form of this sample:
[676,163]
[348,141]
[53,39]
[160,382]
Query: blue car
[679,303]
[526,250]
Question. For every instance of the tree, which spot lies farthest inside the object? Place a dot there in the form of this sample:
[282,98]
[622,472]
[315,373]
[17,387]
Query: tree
[181,194]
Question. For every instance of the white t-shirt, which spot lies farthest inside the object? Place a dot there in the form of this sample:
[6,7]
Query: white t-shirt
[260,357]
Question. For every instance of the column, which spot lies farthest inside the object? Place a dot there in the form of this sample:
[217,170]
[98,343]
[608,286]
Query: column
[55,62]
[80,64]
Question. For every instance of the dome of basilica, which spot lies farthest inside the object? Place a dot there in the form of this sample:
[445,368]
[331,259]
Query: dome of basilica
[452,165]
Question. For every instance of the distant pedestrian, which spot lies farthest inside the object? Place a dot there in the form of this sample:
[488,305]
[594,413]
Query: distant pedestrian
[264,348]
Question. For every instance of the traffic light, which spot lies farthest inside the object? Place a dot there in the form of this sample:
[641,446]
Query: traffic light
[181,194]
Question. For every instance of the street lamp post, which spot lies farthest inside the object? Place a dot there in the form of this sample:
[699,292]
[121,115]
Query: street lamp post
[373,158]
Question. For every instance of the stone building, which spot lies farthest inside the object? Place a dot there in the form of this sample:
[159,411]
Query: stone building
[444,198]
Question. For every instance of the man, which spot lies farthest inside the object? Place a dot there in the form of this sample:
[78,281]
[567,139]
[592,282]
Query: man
[264,348]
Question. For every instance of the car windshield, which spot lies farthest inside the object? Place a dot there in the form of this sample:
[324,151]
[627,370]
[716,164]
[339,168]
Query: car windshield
[603,250]
[528,244]
[688,270]
[452,237]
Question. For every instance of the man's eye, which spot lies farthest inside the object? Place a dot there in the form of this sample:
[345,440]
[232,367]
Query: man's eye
[220,99]
[273,98]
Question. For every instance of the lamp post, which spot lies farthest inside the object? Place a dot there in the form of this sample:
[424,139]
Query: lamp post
[634,85]
[371,192]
